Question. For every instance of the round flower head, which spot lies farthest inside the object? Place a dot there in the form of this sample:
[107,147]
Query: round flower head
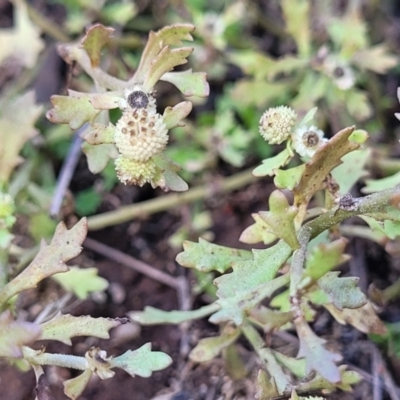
[131,172]
[276,124]
[307,139]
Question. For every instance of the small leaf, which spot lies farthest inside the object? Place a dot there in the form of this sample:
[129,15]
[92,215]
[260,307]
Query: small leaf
[15,334]
[363,318]
[209,348]
[81,281]
[376,58]
[97,36]
[167,178]
[268,319]
[316,356]
[206,257]
[327,157]
[270,164]
[258,232]
[50,260]
[99,155]
[142,362]
[358,104]
[325,257]
[390,229]
[99,134]
[75,109]
[280,218]
[342,292]
[17,122]
[188,82]
[377,185]
[289,178]
[173,116]
[74,387]
[168,36]
[308,118]
[154,316]
[64,327]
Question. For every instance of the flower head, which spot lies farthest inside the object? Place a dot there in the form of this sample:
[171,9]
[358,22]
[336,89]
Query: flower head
[307,139]
[132,172]
[276,124]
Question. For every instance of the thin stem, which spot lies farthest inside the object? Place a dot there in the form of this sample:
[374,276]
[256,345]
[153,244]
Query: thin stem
[127,213]
[61,360]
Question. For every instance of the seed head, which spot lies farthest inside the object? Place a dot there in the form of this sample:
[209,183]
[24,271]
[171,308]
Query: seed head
[276,124]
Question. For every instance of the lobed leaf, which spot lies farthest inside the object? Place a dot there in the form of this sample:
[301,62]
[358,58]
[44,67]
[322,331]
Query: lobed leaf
[188,82]
[81,281]
[209,348]
[173,116]
[74,387]
[206,257]
[268,166]
[327,157]
[289,178]
[280,219]
[142,362]
[317,358]
[258,232]
[99,134]
[50,260]
[376,58]
[99,155]
[64,327]
[97,36]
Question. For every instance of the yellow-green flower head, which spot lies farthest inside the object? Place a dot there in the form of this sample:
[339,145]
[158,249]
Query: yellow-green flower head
[276,124]
[140,133]
[133,172]
[307,139]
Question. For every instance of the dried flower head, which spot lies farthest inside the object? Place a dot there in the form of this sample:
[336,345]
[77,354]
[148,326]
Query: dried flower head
[276,124]
[307,139]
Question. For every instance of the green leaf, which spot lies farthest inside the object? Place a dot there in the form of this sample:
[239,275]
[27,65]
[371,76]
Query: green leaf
[376,58]
[154,316]
[188,82]
[74,387]
[75,109]
[268,319]
[206,257]
[97,36]
[309,117]
[99,155]
[280,218]
[258,232]
[173,116]
[288,179]
[142,362]
[317,358]
[81,281]
[15,334]
[342,292]
[64,327]
[296,366]
[377,185]
[363,318]
[358,104]
[270,164]
[325,159]
[352,169]
[209,348]
[296,14]
[17,122]
[87,201]
[167,178]
[391,229]
[99,134]
[324,258]
[50,260]
[168,36]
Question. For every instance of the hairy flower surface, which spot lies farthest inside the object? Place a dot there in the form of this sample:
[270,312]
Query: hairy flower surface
[307,139]
[276,124]
[132,172]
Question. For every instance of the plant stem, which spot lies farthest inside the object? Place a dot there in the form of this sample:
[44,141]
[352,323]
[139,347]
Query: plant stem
[266,355]
[127,213]
[62,360]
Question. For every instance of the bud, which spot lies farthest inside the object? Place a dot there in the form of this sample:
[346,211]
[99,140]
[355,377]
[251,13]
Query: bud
[306,140]
[276,124]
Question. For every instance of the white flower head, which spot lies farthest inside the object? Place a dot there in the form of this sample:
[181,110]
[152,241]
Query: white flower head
[307,139]
[276,124]
[341,73]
